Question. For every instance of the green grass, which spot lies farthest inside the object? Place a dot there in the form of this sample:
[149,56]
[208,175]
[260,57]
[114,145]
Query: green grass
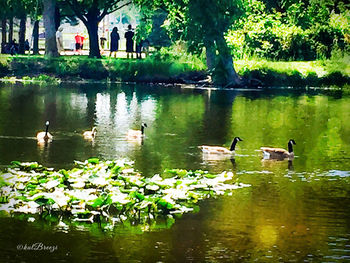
[174,69]
[145,70]
[294,73]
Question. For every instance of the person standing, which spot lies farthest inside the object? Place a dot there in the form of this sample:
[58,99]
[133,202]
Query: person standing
[129,41]
[114,42]
[78,43]
[102,43]
[59,40]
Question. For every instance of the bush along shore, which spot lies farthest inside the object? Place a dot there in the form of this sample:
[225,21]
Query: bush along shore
[255,72]
[108,192]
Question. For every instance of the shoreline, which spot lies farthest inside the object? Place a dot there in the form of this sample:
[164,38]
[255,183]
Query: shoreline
[254,73]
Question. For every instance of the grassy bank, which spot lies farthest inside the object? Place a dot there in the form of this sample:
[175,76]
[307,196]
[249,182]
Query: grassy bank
[297,73]
[270,73]
[81,67]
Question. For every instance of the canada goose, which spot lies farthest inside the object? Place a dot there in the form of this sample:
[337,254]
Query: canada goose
[279,153]
[90,135]
[220,150]
[137,134]
[44,136]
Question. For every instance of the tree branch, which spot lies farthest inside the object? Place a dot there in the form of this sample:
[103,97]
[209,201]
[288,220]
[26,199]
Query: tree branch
[117,8]
[79,13]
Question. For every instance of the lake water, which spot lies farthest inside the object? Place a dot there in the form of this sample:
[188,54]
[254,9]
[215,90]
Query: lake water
[293,212]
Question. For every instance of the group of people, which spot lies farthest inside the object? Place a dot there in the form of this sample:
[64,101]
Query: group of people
[13,47]
[129,36]
[141,45]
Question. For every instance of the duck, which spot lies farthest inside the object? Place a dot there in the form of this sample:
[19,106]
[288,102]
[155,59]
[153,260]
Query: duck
[90,135]
[137,134]
[220,150]
[44,136]
[279,153]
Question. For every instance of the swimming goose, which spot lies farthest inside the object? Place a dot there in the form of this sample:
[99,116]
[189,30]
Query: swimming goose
[90,135]
[279,153]
[137,134]
[220,150]
[44,136]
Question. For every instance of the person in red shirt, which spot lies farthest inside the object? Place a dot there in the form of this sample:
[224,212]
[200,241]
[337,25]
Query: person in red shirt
[79,41]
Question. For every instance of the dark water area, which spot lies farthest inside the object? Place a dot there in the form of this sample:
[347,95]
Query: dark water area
[293,212]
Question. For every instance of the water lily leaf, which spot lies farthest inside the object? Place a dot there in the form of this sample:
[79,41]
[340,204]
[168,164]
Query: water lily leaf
[210,176]
[93,160]
[116,169]
[31,187]
[42,181]
[3,182]
[51,184]
[102,200]
[165,205]
[16,163]
[22,197]
[64,173]
[44,201]
[137,195]
[4,199]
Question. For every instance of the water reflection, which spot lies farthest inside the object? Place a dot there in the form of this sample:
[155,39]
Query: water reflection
[294,211]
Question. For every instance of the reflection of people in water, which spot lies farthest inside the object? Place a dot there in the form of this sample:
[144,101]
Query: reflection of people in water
[129,41]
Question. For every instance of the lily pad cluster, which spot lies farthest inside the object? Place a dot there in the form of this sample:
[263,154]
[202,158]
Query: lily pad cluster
[108,191]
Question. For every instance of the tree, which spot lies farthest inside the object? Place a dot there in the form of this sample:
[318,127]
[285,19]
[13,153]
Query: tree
[203,24]
[3,17]
[91,13]
[50,31]
[36,37]
[22,34]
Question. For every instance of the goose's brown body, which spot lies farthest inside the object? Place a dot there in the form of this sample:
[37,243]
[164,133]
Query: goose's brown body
[279,153]
[220,150]
[44,136]
[89,135]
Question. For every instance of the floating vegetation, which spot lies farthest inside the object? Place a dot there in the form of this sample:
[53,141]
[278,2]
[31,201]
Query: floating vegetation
[107,191]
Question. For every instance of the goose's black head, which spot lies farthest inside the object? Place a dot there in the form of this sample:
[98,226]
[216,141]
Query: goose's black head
[143,126]
[290,145]
[47,127]
[234,142]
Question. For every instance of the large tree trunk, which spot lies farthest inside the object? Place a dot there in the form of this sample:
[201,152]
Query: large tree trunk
[50,32]
[22,35]
[210,54]
[3,33]
[92,27]
[36,38]
[230,77]
[11,30]
[57,17]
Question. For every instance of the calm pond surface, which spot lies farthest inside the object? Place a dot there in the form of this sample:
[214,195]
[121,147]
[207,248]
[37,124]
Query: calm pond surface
[293,212]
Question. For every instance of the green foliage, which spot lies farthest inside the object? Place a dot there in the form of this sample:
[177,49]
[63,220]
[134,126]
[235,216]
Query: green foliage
[304,31]
[164,66]
[4,68]
[316,73]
